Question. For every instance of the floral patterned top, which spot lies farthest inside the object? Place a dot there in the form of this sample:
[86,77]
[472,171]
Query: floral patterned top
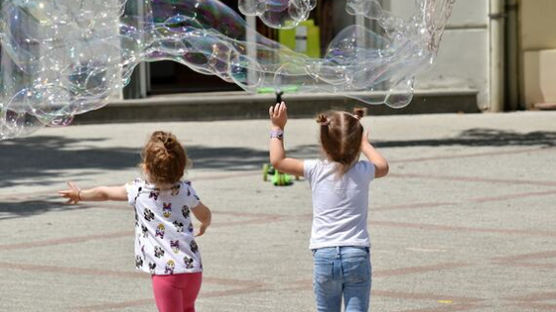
[164,240]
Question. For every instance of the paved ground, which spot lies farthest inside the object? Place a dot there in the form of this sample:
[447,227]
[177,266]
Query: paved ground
[464,222]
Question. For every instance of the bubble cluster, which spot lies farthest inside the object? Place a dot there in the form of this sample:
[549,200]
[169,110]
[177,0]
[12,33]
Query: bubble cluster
[283,14]
[65,57]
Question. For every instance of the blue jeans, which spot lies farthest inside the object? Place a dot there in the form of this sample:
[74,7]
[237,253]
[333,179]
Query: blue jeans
[342,271]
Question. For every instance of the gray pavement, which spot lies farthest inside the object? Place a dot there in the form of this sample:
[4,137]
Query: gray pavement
[464,222]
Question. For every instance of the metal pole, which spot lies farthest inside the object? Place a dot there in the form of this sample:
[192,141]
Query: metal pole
[496,78]
[512,57]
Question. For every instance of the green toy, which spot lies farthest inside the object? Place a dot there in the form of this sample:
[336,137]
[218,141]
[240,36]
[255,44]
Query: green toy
[287,89]
[278,178]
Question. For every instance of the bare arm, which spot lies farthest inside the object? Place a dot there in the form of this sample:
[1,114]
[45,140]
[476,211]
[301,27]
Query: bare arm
[102,193]
[380,163]
[279,117]
[203,214]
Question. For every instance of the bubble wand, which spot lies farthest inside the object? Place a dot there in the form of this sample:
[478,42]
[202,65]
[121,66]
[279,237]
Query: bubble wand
[279,96]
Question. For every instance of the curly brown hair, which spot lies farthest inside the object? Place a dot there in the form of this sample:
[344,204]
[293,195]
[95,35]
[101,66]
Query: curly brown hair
[340,137]
[164,158]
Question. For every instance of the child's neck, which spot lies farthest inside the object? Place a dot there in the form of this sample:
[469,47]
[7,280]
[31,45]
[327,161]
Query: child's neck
[162,187]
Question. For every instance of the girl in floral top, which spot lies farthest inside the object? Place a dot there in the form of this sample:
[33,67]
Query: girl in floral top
[164,241]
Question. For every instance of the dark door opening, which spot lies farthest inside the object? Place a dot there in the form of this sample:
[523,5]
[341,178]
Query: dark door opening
[171,77]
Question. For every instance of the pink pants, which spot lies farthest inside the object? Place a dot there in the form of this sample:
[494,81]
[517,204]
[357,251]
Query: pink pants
[176,293]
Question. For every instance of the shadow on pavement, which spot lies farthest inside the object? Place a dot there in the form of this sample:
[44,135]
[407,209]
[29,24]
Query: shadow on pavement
[482,137]
[37,160]
[240,158]
[11,210]
[40,159]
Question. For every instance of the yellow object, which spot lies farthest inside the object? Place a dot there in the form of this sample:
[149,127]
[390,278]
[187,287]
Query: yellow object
[305,38]
[445,301]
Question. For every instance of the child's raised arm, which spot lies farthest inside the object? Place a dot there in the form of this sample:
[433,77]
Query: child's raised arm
[74,194]
[279,117]
[380,163]
[203,214]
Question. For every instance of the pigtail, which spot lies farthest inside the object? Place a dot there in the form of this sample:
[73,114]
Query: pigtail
[323,120]
[359,112]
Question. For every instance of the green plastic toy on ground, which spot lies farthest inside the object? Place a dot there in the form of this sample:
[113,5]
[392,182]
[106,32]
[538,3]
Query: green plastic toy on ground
[278,178]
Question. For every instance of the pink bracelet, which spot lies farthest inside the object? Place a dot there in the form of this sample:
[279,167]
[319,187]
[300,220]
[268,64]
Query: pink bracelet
[277,134]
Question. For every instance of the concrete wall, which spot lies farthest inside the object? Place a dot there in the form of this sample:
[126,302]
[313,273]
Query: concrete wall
[537,26]
[463,59]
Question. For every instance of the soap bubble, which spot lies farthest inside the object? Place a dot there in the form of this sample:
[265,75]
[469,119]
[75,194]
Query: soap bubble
[284,14]
[60,58]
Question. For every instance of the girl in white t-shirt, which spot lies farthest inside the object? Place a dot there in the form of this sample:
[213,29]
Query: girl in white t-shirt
[340,191]
[165,245]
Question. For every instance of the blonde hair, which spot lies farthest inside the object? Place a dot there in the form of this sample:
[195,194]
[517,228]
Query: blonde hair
[340,137]
[164,158]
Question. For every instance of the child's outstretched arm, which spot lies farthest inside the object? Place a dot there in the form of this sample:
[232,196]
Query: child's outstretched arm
[74,194]
[203,214]
[279,118]
[380,163]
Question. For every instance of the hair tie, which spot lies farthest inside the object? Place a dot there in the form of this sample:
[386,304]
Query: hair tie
[323,120]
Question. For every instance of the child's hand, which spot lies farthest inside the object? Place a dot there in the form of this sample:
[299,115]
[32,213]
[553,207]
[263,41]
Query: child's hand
[202,229]
[278,115]
[73,194]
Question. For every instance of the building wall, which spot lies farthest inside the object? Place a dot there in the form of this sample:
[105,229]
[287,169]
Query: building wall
[463,59]
[537,25]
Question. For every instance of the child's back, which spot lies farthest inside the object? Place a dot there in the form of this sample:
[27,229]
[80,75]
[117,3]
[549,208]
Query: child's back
[339,203]
[165,241]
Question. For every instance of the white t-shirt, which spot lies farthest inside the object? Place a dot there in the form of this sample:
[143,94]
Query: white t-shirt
[340,203]
[164,239]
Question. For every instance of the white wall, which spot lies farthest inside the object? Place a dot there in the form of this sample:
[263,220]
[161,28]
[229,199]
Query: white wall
[463,59]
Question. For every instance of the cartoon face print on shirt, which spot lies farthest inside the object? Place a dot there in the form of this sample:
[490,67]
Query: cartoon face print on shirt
[179,226]
[138,193]
[152,266]
[175,190]
[188,189]
[194,246]
[160,231]
[138,262]
[148,214]
[190,227]
[154,194]
[185,211]
[175,245]
[169,267]
[188,261]
[144,230]
[158,252]
[167,210]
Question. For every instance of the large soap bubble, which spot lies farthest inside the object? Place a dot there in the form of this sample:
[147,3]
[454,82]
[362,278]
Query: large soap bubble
[65,57]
